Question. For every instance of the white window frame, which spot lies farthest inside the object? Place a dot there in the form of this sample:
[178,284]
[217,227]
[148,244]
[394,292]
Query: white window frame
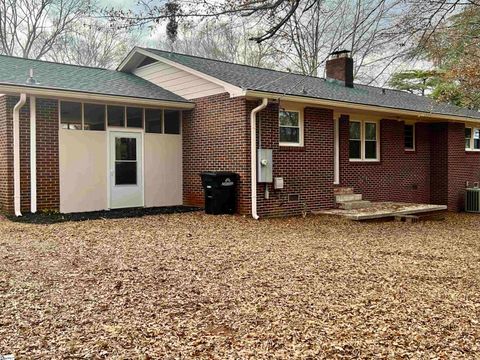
[118,128]
[412,124]
[363,140]
[472,139]
[300,127]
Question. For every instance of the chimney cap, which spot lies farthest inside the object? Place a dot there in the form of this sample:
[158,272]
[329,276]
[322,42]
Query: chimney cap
[340,54]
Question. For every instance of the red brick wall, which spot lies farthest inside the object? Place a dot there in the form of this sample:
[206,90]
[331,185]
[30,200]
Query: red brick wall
[48,162]
[6,158]
[439,163]
[48,193]
[399,175]
[463,166]
[216,138]
[307,171]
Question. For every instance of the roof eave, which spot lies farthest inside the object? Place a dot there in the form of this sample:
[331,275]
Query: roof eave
[360,107]
[73,94]
[232,89]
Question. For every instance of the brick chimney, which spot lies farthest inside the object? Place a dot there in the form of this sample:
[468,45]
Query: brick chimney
[340,67]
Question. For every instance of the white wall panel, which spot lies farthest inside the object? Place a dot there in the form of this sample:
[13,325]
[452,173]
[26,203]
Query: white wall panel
[163,170]
[83,170]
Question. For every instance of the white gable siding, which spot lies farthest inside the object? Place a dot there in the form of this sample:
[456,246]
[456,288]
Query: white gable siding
[178,81]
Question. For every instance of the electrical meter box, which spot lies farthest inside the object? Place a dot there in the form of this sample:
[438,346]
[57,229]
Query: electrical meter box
[265,165]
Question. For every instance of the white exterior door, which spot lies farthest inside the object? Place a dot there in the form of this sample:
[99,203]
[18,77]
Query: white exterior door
[126,169]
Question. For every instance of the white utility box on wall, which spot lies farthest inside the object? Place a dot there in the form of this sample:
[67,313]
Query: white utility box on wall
[278,183]
[265,165]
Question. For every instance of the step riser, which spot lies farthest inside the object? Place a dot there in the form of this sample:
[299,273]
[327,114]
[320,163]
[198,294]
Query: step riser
[343,191]
[348,197]
[352,205]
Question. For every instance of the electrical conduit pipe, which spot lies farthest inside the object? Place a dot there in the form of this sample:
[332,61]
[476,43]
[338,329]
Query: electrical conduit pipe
[253,154]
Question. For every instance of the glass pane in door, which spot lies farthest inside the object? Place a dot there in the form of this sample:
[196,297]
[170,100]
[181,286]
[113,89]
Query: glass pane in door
[125,173]
[125,161]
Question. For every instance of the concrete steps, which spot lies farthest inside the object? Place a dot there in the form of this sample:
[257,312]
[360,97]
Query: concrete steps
[346,199]
[356,204]
[343,191]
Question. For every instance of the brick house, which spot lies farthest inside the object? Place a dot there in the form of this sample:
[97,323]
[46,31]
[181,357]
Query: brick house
[140,136]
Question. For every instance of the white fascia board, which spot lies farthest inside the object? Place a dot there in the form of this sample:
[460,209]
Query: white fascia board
[122,66]
[362,107]
[233,90]
[66,94]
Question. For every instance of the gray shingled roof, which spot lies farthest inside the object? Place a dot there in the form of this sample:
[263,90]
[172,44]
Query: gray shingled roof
[259,79]
[50,75]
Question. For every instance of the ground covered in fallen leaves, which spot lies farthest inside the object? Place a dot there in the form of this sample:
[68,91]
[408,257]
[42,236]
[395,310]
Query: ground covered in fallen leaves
[189,285]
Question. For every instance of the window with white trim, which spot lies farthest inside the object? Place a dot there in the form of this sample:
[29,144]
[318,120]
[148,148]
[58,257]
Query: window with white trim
[290,128]
[409,136]
[472,139]
[363,140]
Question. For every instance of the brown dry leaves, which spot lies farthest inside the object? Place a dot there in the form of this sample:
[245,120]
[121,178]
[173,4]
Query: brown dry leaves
[190,285]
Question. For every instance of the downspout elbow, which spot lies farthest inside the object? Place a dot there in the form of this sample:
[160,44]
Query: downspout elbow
[16,153]
[253,154]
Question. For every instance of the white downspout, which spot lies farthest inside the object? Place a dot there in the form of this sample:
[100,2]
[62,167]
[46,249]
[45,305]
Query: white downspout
[253,154]
[33,154]
[336,150]
[16,153]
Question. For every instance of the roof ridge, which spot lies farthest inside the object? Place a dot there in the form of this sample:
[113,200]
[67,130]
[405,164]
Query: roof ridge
[263,68]
[57,63]
[234,63]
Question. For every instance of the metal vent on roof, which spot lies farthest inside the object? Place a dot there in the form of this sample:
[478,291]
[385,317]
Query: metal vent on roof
[31,80]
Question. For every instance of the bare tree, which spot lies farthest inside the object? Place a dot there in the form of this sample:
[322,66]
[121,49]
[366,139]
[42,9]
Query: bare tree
[31,28]
[93,43]
[226,40]
[417,16]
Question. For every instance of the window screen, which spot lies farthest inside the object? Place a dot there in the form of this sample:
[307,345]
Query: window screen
[94,117]
[172,122]
[134,117]
[71,115]
[153,120]
[116,115]
[409,136]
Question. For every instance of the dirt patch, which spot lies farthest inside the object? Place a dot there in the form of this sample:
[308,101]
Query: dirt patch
[189,285]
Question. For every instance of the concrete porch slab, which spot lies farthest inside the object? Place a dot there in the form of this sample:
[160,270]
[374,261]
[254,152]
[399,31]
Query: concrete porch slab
[380,210]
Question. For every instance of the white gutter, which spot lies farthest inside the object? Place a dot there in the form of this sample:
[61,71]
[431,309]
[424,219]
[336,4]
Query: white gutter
[16,153]
[253,154]
[347,107]
[78,95]
[33,155]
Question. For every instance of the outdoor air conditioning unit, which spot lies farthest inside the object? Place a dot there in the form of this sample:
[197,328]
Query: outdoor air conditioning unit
[472,200]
